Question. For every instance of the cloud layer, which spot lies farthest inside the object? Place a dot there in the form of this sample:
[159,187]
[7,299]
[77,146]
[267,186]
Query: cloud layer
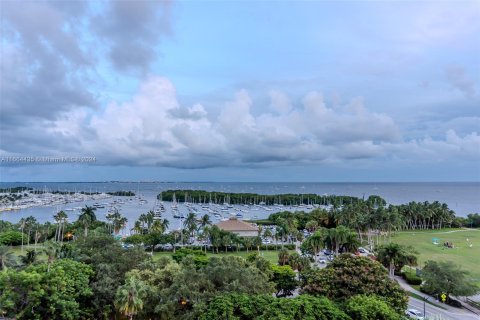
[155,129]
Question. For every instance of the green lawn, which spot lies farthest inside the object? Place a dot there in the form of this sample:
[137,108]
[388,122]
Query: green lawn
[467,257]
[270,255]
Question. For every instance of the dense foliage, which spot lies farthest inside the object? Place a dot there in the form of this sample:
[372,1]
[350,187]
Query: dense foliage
[448,278]
[363,307]
[266,307]
[349,275]
[200,196]
[59,291]
[12,238]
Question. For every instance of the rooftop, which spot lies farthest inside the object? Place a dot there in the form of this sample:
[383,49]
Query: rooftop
[233,224]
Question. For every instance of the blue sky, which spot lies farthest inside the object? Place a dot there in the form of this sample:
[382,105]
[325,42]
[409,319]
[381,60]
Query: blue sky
[241,91]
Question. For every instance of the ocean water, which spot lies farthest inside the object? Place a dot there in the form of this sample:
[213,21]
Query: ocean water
[463,198]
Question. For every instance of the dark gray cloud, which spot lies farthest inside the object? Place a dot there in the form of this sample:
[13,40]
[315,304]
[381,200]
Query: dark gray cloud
[49,64]
[42,63]
[132,30]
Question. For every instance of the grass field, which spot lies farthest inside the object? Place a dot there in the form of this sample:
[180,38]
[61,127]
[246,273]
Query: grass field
[467,257]
[270,255]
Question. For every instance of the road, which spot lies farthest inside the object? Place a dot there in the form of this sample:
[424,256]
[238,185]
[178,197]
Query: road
[432,311]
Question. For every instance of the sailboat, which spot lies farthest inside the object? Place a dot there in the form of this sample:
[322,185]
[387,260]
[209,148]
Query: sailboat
[174,202]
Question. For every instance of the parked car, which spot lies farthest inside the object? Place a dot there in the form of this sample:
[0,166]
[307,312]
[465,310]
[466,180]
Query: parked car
[322,261]
[414,314]
[327,252]
[363,250]
[166,246]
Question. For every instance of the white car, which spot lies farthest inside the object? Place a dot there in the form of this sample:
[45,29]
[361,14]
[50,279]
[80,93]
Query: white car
[363,250]
[414,314]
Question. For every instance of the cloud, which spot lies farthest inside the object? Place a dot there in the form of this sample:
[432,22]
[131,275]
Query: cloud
[459,79]
[155,129]
[132,30]
[279,101]
[43,65]
[452,148]
[51,64]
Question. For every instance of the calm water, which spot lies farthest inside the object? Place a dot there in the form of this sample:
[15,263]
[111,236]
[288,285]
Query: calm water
[463,198]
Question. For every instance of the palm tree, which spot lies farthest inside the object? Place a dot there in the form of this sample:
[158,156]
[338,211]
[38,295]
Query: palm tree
[7,258]
[311,225]
[205,235]
[29,223]
[50,248]
[22,227]
[351,242]
[226,240]
[149,218]
[298,262]
[118,222]
[247,242]
[137,227]
[110,217]
[316,242]
[257,242]
[165,224]
[205,221]
[268,234]
[283,256]
[157,227]
[339,235]
[129,297]
[143,220]
[394,255]
[61,218]
[29,258]
[86,218]
[190,223]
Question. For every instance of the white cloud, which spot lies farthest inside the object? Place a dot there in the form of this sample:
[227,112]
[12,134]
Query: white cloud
[154,129]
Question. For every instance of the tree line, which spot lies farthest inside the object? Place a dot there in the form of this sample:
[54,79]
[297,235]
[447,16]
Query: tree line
[201,196]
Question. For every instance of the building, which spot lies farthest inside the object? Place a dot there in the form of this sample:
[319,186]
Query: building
[239,227]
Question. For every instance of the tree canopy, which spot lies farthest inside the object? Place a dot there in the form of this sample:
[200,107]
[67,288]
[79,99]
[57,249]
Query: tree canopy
[349,275]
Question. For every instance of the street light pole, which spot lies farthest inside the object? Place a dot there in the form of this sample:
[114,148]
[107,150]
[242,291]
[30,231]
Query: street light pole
[424,312]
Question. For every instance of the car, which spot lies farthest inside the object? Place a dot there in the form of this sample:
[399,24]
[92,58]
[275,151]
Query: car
[363,250]
[327,252]
[414,314]
[322,261]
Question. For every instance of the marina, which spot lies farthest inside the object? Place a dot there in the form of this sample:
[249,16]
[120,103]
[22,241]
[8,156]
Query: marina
[463,198]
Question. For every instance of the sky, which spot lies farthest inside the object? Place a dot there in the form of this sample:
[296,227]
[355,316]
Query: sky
[240,90]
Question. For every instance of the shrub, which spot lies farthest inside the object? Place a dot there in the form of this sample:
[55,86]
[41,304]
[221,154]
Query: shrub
[454,303]
[135,239]
[12,238]
[199,257]
[412,279]
[363,307]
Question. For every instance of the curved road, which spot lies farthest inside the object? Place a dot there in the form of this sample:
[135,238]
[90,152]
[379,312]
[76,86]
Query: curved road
[432,311]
